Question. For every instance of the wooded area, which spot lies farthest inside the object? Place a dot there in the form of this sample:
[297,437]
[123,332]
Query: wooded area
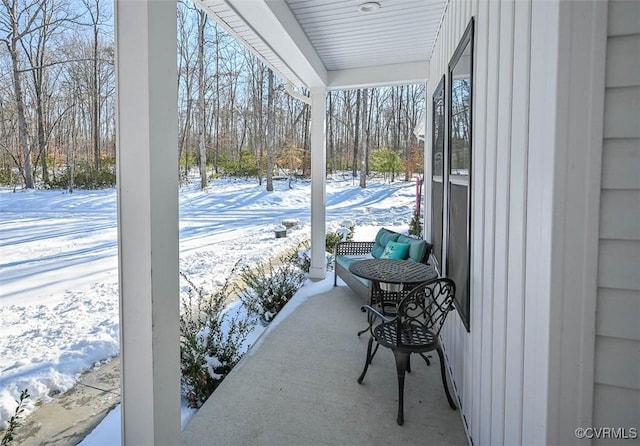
[57,105]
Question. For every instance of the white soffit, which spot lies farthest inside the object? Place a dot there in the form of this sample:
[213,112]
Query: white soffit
[399,31]
[331,43]
[254,24]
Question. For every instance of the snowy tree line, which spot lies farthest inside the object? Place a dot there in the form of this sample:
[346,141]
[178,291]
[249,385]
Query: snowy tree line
[57,104]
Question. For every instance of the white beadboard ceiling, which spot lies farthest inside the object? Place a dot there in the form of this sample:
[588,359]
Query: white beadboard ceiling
[331,43]
[400,31]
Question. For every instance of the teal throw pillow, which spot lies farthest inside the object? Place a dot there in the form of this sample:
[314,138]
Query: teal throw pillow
[395,250]
[383,237]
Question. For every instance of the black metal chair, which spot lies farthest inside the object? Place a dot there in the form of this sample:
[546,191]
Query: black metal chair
[415,329]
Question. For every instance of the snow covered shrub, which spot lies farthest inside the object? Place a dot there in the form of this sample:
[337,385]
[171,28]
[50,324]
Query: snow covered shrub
[8,176]
[269,287]
[343,233]
[304,259]
[245,165]
[210,341]
[331,240]
[301,257]
[415,225]
[84,177]
[350,226]
[15,420]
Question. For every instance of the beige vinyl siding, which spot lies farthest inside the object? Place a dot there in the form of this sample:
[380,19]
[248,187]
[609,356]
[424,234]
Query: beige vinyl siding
[617,353]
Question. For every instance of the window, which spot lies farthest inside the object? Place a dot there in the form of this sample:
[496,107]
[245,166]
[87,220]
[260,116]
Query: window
[459,187]
[459,179]
[437,175]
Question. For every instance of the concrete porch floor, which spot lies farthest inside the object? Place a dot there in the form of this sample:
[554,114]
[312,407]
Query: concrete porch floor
[299,388]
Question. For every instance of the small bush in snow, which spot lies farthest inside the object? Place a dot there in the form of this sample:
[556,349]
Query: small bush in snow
[85,177]
[342,234]
[269,287]
[415,225]
[210,341]
[331,240]
[15,420]
[351,226]
[302,257]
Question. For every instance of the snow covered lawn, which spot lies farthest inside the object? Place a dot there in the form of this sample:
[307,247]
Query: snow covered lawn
[58,263]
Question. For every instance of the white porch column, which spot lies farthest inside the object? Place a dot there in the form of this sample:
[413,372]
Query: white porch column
[318,268]
[147,158]
[427,201]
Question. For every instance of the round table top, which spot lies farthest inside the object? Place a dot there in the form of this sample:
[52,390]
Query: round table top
[393,271]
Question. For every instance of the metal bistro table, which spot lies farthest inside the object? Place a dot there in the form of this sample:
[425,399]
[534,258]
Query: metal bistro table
[391,279]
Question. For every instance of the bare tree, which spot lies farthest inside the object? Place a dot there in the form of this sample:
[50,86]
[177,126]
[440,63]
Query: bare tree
[331,152]
[58,113]
[35,50]
[216,157]
[185,81]
[202,22]
[36,44]
[93,8]
[20,21]
[364,147]
[271,130]
[356,137]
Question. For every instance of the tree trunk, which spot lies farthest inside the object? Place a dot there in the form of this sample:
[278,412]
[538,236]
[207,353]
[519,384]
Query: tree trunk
[306,143]
[356,141]
[42,143]
[95,108]
[22,121]
[271,130]
[94,88]
[365,149]
[201,110]
[332,154]
[37,69]
[72,165]
[217,134]
[23,136]
[258,118]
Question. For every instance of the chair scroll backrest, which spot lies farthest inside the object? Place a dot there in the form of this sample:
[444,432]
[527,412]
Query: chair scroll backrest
[428,305]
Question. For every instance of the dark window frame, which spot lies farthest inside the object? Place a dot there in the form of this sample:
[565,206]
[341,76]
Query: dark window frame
[463,290]
[439,95]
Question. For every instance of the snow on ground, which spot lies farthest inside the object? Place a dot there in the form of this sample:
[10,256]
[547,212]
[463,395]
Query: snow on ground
[58,263]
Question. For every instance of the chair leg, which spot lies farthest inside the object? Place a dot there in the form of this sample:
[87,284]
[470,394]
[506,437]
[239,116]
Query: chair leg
[374,353]
[367,361]
[369,321]
[401,367]
[444,378]
[427,358]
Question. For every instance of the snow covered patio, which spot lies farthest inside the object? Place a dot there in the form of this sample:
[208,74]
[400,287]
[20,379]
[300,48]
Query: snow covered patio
[299,386]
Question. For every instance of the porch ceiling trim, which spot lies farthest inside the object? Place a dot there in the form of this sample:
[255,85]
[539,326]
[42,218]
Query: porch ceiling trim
[379,76]
[269,29]
[275,38]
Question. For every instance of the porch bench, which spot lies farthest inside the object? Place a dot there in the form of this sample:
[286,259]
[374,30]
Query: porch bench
[349,252]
